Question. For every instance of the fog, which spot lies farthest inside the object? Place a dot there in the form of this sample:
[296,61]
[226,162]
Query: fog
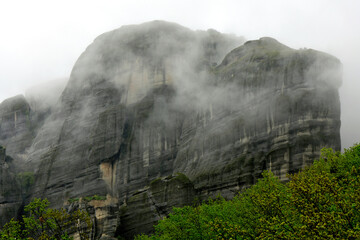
[41,40]
[46,94]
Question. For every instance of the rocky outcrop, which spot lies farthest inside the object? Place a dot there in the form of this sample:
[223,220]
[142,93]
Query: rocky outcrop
[148,205]
[15,126]
[115,90]
[155,115]
[10,191]
[18,127]
[285,109]
[19,124]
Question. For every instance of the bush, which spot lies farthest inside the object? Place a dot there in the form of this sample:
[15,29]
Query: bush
[42,222]
[26,180]
[319,202]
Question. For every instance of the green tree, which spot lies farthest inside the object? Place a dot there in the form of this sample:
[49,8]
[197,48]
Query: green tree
[11,230]
[42,222]
[320,202]
[326,196]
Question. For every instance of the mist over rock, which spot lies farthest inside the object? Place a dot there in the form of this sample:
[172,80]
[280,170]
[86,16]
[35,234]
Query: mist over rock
[18,125]
[44,97]
[156,115]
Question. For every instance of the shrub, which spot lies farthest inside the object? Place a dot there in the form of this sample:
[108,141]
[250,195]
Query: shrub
[42,222]
[320,202]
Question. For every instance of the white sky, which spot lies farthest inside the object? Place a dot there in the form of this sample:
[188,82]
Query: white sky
[40,40]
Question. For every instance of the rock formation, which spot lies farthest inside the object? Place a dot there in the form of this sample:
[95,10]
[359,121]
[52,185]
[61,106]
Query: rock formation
[10,192]
[156,115]
[15,126]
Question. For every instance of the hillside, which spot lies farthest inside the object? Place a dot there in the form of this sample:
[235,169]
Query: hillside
[147,102]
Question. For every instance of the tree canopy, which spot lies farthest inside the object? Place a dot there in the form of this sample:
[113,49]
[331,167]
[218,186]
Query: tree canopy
[320,202]
[42,222]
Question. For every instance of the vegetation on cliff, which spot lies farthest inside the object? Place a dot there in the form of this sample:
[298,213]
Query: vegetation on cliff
[42,223]
[320,202]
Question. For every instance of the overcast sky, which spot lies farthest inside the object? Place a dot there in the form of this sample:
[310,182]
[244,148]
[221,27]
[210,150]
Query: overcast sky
[41,40]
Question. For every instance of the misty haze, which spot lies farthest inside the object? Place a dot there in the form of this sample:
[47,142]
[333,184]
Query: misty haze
[157,115]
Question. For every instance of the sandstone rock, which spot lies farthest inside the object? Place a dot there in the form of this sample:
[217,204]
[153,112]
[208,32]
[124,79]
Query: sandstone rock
[149,101]
[150,204]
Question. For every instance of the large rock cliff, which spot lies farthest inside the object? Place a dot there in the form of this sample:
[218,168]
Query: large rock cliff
[15,126]
[10,192]
[156,115]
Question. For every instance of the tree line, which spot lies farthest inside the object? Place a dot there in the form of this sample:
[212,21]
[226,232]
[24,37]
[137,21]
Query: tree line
[321,201]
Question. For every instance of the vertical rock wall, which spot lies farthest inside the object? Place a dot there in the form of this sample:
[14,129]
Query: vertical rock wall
[155,115]
[10,191]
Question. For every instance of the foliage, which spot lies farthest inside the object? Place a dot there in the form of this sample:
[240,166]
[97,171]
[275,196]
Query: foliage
[320,202]
[26,180]
[88,199]
[182,178]
[95,197]
[11,230]
[42,222]
[72,200]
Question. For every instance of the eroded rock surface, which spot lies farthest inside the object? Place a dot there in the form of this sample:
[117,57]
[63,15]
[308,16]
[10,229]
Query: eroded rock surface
[154,202]
[146,102]
[10,191]
[16,130]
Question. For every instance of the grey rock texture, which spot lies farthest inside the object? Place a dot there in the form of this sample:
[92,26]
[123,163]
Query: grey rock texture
[16,130]
[19,125]
[10,191]
[104,214]
[285,109]
[154,202]
[147,102]
[114,93]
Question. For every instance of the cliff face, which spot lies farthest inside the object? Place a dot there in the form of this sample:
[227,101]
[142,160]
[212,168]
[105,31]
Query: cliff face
[156,115]
[282,108]
[15,126]
[18,127]
[10,192]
